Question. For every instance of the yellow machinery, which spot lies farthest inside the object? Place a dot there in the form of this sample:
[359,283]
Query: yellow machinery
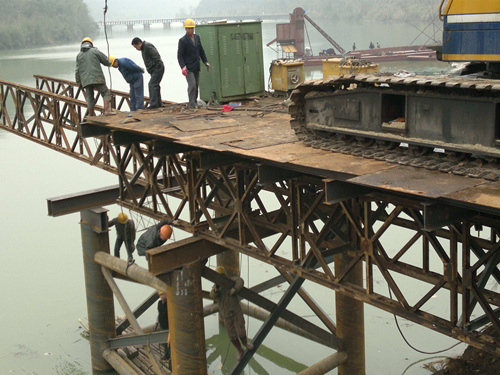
[286,75]
[339,67]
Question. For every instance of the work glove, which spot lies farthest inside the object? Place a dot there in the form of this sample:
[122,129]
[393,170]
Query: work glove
[184,72]
[232,291]
[208,66]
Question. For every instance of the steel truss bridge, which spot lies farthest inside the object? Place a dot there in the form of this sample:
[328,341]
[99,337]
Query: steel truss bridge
[198,20]
[297,219]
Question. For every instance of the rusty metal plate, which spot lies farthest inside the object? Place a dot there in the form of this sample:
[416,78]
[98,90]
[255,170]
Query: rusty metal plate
[432,184]
[249,143]
[332,163]
[200,124]
[486,195]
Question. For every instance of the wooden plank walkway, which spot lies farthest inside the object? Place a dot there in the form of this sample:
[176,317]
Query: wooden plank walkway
[264,136]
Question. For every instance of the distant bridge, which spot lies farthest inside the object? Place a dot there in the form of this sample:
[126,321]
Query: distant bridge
[199,20]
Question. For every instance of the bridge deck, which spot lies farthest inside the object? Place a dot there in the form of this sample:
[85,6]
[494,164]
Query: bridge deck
[270,140]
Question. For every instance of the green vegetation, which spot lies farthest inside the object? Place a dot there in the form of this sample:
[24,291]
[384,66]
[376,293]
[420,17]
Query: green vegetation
[355,10]
[28,23]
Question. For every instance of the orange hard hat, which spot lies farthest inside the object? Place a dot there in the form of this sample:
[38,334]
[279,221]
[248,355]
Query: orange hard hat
[166,231]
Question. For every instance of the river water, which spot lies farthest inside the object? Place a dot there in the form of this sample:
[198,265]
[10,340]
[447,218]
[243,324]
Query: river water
[43,296]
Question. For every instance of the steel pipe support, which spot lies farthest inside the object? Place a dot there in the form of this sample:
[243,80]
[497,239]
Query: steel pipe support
[135,272]
[185,315]
[325,365]
[118,363]
[100,306]
[350,320]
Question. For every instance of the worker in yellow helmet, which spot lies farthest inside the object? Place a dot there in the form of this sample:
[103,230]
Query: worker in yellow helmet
[189,53]
[125,232]
[132,73]
[230,310]
[89,75]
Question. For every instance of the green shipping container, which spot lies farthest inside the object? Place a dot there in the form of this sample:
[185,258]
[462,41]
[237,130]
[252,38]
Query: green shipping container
[234,51]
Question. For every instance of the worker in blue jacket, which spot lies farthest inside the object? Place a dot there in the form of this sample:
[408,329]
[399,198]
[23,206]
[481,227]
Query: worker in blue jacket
[189,53]
[133,75]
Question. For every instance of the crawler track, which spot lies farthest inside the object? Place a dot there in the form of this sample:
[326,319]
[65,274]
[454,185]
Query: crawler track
[473,161]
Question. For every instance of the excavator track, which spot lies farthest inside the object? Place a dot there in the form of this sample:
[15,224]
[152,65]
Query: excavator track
[337,98]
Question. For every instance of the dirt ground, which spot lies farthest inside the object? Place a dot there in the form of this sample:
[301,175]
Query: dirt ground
[472,362]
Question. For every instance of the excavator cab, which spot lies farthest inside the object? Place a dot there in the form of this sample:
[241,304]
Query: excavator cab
[472,34]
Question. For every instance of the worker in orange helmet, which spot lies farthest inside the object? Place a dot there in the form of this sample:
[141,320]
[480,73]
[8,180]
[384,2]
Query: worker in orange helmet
[155,236]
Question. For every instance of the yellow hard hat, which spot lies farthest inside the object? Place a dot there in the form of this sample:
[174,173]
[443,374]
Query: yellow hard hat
[112,59]
[122,218]
[87,39]
[221,270]
[189,23]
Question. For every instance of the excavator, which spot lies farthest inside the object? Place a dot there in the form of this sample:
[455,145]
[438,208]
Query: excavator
[446,123]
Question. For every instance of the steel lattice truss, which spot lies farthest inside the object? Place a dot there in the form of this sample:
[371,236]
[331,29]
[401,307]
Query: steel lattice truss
[296,224]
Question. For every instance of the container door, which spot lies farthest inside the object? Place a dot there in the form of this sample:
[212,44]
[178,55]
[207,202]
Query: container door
[231,61]
[251,38]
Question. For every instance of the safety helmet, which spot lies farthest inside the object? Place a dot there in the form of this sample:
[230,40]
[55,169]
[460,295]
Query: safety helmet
[122,218]
[112,59]
[166,231]
[87,39]
[221,270]
[189,23]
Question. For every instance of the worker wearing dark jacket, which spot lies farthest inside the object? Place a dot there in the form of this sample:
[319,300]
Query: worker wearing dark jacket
[162,320]
[230,310]
[125,232]
[133,75]
[155,236]
[155,67]
[89,76]
[189,53]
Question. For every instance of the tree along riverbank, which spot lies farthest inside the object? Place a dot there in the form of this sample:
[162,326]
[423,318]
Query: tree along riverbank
[31,23]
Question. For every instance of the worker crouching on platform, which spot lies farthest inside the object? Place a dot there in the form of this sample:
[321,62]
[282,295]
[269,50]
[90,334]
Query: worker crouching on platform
[230,310]
[155,236]
[89,76]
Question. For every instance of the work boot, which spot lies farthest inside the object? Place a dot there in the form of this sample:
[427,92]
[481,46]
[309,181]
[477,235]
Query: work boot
[249,346]
[91,112]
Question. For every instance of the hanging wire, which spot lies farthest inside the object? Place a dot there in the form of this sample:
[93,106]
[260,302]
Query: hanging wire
[411,346]
[107,42]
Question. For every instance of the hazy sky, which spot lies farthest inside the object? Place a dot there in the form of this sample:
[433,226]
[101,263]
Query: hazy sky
[133,9]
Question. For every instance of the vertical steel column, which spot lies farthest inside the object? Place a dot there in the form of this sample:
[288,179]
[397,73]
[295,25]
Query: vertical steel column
[350,312]
[185,315]
[100,306]
[230,260]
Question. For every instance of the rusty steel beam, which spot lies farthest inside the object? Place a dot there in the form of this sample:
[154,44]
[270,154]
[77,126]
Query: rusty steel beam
[174,255]
[71,203]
